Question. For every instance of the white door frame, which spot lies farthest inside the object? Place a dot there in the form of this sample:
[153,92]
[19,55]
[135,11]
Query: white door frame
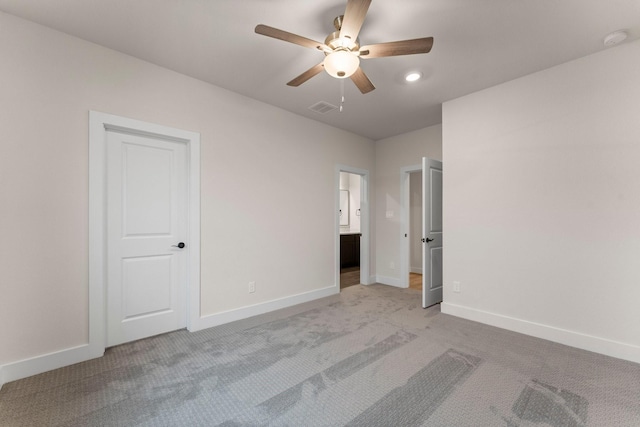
[365,279]
[405,207]
[99,124]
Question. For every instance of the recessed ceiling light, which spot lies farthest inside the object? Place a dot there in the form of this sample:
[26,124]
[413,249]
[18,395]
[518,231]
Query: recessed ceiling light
[413,76]
[615,38]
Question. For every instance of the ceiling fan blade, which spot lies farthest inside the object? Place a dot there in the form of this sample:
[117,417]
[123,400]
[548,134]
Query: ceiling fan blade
[354,16]
[403,47]
[306,75]
[362,81]
[265,30]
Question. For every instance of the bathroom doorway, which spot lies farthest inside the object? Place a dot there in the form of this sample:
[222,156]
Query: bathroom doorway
[350,229]
[352,251]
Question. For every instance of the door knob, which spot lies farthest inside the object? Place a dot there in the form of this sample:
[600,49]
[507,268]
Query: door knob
[179,245]
[427,240]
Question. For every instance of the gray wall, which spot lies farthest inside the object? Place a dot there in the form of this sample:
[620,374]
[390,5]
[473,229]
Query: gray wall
[542,203]
[257,223]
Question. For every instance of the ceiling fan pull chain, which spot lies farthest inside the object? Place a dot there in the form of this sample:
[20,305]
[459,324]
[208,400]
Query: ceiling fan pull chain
[341,94]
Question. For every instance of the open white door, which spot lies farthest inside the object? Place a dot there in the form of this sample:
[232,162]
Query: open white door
[431,232]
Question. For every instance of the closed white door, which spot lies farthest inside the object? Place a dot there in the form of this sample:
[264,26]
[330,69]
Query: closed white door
[146,230]
[431,232]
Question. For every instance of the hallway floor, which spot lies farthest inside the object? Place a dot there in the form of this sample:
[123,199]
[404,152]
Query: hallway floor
[415,281]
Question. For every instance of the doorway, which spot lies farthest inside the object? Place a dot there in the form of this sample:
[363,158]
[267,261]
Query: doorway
[411,226]
[415,230]
[352,227]
[144,262]
[428,231]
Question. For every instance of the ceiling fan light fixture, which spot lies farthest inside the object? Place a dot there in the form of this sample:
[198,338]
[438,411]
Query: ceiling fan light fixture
[341,64]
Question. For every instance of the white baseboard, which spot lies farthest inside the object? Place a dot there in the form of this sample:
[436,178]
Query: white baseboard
[574,339]
[46,362]
[416,270]
[390,281]
[265,307]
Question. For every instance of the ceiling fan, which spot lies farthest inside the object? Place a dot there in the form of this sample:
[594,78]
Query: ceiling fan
[342,48]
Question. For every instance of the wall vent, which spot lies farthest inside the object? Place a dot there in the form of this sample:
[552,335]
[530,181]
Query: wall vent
[322,107]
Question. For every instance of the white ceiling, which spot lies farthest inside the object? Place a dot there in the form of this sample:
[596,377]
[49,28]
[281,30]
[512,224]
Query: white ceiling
[478,44]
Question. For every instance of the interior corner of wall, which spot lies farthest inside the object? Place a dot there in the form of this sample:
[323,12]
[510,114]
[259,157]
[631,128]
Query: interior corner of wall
[1,377]
[389,281]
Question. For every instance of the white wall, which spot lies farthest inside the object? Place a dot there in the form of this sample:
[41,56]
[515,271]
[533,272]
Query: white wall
[49,81]
[542,203]
[354,202]
[352,183]
[344,180]
[392,154]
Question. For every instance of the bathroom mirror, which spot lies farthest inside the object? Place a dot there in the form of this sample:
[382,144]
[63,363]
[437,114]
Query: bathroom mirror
[344,208]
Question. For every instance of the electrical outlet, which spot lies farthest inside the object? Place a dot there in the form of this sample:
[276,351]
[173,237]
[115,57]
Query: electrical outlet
[392,265]
[456,286]
[252,287]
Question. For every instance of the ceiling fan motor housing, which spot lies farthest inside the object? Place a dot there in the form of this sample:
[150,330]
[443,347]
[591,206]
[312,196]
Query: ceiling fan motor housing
[335,42]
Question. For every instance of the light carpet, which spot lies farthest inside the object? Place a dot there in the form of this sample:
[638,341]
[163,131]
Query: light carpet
[370,356]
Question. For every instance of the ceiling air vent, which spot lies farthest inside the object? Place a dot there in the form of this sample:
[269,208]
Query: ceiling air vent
[322,107]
